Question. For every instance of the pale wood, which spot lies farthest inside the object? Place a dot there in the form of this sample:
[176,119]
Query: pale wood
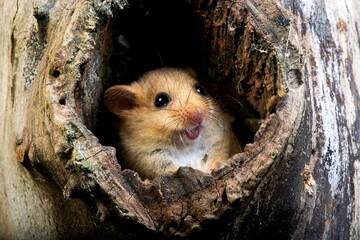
[298,180]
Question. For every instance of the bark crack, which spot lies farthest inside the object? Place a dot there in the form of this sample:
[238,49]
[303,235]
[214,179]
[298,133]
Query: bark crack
[16,12]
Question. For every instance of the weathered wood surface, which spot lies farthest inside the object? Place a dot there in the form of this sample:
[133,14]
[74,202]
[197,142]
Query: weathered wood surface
[294,62]
[329,41]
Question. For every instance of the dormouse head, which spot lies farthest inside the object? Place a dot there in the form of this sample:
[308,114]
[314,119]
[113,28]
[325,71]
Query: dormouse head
[166,101]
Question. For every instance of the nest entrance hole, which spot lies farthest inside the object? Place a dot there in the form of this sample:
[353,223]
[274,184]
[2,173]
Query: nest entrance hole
[153,34]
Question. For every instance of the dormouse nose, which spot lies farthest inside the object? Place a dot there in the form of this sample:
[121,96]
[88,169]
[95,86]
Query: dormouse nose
[197,115]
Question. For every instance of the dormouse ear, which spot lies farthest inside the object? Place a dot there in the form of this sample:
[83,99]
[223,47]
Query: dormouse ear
[190,71]
[119,98]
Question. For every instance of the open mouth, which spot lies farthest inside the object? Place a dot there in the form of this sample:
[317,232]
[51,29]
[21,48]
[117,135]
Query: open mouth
[192,133]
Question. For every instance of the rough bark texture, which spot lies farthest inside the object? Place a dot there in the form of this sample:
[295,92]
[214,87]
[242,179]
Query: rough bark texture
[291,62]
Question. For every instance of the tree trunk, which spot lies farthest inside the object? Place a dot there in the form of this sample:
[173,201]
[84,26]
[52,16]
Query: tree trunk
[291,63]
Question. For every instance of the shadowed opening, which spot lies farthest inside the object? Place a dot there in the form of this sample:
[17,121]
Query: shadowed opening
[235,63]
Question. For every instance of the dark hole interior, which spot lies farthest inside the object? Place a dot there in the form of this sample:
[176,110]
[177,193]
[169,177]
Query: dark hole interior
[56,73]
[150,36]
[163,33]
[62,101]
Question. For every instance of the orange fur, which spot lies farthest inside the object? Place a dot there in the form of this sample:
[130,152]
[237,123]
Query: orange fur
[190,130]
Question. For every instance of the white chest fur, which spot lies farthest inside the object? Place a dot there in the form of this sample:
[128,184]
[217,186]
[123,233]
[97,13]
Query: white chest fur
[193,155]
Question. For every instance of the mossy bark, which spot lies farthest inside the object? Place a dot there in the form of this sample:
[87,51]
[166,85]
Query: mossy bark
[292,63]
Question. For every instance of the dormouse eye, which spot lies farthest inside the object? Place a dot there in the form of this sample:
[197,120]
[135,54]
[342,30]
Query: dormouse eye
[199,90]
[161,100]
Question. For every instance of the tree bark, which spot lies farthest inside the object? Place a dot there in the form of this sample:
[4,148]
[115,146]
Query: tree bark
[293,63]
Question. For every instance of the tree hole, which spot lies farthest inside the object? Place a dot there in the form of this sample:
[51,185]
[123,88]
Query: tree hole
[236,63]
[62,101]
[56,73]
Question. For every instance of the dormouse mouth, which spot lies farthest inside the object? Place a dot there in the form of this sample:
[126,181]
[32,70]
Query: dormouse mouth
[192,133]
